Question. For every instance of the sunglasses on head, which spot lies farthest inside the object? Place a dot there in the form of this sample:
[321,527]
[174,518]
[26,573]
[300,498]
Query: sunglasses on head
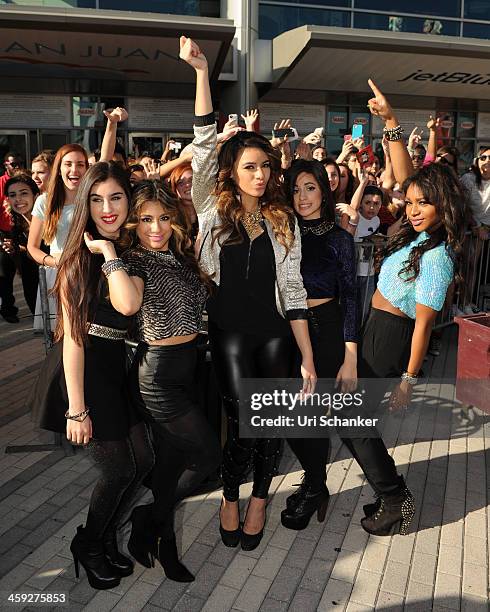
[444,160]
[484,158]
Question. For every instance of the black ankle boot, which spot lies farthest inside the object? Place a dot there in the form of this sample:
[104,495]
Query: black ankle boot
[307,500]
[120,562]
[394,510]
[230,538]
[370,509]
[169,559]
[90,553]
[142,543]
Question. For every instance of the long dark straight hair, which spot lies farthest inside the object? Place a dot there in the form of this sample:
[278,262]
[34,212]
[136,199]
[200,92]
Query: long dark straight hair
[56,191]
[441,187]
[79,278]
[317,169]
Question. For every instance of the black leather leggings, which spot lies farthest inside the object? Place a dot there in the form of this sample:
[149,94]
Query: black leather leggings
[182,438]
[236,355]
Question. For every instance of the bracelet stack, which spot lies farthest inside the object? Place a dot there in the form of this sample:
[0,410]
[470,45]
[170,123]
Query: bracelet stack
[112,266]
[393,134]
[81,416]
[410,378]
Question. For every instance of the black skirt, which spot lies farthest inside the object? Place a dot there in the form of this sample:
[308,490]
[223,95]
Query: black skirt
[105,389]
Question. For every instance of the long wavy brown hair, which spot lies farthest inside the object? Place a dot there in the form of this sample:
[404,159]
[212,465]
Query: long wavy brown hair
[440,186]
[180,241]
[55,199]
[274,206]
[79,279]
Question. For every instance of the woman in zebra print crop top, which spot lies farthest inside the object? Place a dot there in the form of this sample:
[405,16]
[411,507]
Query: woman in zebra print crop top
[165,272]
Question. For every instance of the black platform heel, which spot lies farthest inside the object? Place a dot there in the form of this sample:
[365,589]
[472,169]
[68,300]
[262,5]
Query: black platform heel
[169,560]
[230,538]
[142,543]
[91,555]
[395,512]
[123,564]
[307,502]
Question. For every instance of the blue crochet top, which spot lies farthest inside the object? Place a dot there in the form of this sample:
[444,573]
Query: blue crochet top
[430,286]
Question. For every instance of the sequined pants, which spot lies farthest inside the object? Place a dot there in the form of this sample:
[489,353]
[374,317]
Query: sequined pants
[236,355]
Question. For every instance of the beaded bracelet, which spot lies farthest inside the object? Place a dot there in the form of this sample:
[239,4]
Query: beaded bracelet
[112,266]
[81,416]
[393,134]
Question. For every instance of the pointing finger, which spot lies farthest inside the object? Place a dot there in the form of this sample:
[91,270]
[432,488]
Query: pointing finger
[374,88]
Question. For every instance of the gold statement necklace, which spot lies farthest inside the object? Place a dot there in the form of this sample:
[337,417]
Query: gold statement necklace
[251,221]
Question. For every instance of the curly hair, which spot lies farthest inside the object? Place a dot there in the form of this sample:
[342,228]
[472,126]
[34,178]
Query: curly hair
[273,203]
[439,186]
[180,241]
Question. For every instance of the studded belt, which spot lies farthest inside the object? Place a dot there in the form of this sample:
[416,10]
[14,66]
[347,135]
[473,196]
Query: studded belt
[110,333]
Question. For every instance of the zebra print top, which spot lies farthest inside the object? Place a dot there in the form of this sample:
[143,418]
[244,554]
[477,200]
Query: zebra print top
[173,298]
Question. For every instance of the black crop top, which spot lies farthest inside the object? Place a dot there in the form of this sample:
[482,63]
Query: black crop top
[173,298]
[328,267]
[245,300]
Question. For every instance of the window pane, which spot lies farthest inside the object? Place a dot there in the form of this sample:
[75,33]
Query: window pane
[346,3]
[476,30]
[406,24]
[476,9]
[444,8]
[274,20]
[174,7]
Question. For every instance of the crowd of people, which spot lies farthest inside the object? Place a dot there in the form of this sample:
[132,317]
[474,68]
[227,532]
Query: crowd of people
[307,266]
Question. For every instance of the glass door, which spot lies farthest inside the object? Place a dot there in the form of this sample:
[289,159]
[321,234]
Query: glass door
[15,141]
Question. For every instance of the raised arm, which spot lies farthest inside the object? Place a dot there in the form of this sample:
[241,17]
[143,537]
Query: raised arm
[205,155]
[125,292]
[432,125]
[400,158]
[108,147]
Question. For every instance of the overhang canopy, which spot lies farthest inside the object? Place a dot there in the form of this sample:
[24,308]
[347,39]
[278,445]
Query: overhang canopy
[340,59]
[99,44]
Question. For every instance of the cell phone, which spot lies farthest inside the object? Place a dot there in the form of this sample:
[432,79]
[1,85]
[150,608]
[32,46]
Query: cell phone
[233,117]
[356,131]
[175,146]
[320,131]
[291,133]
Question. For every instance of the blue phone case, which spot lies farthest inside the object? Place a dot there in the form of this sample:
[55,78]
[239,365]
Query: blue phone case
[356,131]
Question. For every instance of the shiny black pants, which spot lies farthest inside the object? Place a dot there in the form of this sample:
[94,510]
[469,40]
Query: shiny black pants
[182,438]
[236,355]
[382,350]
[122,466]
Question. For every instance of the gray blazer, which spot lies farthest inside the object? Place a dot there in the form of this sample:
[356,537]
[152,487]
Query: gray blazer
[290,292]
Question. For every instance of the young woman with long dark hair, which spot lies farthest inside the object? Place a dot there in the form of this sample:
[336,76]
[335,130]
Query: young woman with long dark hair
[82,387]
[163,266]
[419,263]
[21,192]
[52,215]
[250,246]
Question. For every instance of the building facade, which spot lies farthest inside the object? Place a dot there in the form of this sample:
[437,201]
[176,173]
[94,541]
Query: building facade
[62,64]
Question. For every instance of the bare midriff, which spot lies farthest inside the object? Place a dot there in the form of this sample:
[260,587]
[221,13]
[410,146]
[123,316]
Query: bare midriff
[381,303]
[318,301]
[173,340]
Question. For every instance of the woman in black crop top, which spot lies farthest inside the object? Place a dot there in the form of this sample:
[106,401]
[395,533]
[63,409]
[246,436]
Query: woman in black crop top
[82,386]
[172,294]
[328,267]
